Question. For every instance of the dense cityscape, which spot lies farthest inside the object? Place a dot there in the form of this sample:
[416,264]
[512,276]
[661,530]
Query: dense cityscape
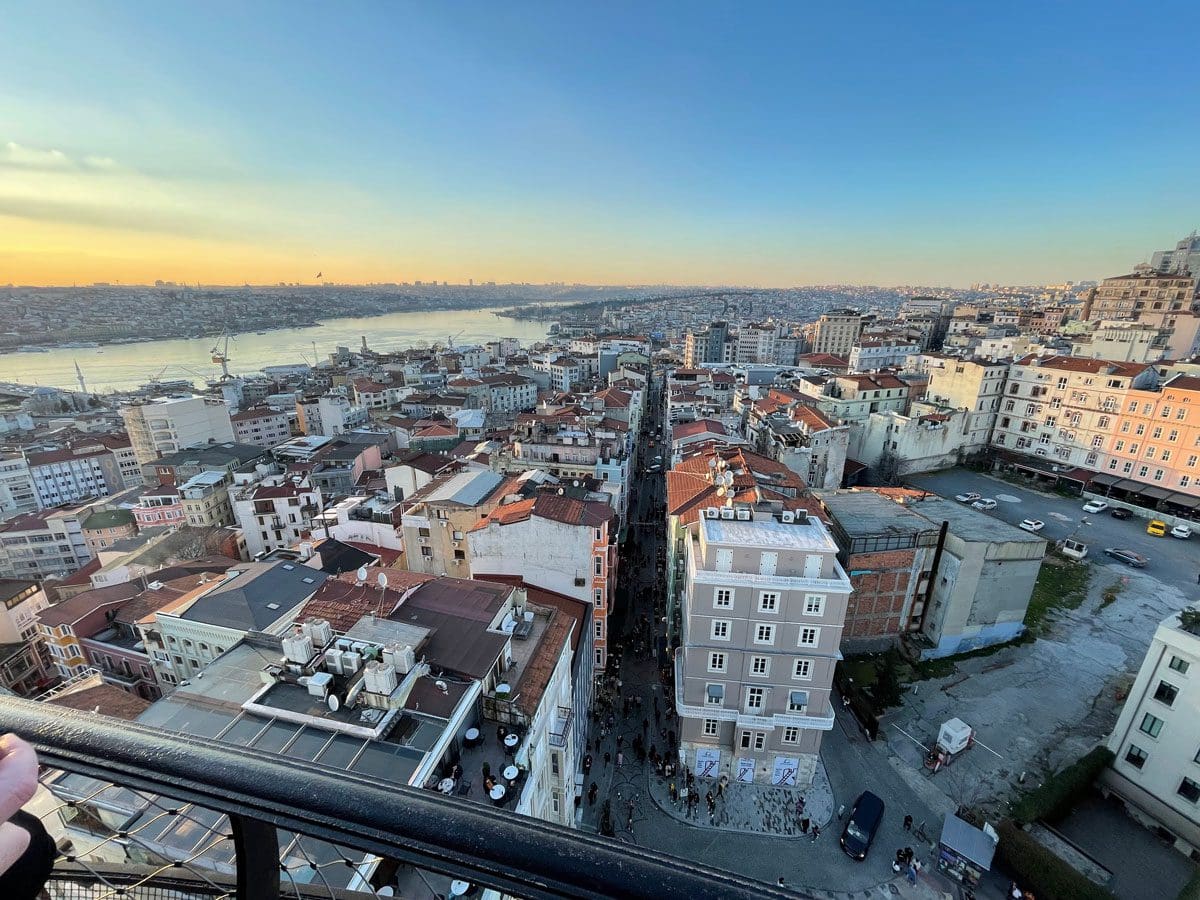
[817,566]
[578,451]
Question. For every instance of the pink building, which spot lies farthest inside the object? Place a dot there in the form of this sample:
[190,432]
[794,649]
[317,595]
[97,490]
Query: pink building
[159,506]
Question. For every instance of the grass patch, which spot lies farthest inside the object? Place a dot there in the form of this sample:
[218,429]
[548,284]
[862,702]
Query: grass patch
[1039,870]
[1061,584]
[1111,593]
[1056,796]
[945,666]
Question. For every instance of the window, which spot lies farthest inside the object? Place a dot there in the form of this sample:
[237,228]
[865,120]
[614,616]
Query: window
[791,735]
[427,552]
[764,634]
[600,656]
[1127,468]
[797,701]
[714,694]
[1181,415]
[1179,665]
[598,597]
[760,741]
[1189,790]
[754,698]
[1151,725]
[599,629]
[1166,693]
[768,601]
[1124,428]
[814,604]
[1192,460]
[716,662]
[1143,471]
[760,666]
[723,598]
[1157,432]
[1119,446]
[1102,422]
[720,629]
[809,637]
[747,737]
[802,669]
[1173,435]
[1141,429]
[1136,756]
[711,727]
[1097,441]
[598,568]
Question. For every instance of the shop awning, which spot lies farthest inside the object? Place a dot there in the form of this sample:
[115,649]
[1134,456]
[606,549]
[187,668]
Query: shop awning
[1129,486]
[716,691]
[1155,493]
[1103,480]
[1184,501]
[799,698]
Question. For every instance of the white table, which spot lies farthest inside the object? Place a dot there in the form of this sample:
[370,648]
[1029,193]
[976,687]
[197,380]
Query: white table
[446,785]
[459,888]
[471,736]
[497,793]
[511,773]
[511,741]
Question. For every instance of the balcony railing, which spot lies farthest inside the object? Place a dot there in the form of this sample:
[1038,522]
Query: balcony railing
[154,815]
[561,727]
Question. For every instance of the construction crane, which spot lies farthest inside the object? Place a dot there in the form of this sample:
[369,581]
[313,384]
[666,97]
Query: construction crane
[450,339]
[220,355]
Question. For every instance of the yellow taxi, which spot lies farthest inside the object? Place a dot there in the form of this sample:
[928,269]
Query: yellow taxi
[1156,527]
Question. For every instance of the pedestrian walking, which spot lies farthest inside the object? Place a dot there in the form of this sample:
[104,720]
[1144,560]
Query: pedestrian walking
[645,728]
[816,831]
[908,820]
[804,823]
[620,740]
[620,758]
[592,794]
[607,758]
[673,792]
[911,874]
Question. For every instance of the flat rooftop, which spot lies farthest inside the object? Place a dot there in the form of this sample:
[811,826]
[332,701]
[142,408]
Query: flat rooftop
[970,524]
[768,532]
[868,514]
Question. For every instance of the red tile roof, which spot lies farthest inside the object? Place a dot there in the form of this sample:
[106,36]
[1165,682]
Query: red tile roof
[700,426]
[1080,364]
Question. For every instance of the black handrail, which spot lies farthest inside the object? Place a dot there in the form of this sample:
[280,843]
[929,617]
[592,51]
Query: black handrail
[260,792]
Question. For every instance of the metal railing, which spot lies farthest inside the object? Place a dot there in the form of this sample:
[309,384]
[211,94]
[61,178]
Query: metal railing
[342,833]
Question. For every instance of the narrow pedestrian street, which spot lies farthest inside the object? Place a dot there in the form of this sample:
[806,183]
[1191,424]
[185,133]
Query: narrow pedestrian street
[755,833]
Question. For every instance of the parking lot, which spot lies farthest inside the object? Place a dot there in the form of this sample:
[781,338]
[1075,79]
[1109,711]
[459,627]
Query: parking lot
[1038,706]
[1172,561]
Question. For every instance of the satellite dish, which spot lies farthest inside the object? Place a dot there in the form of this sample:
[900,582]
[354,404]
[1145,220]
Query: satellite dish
[381,580]
[334,703]
[361,574]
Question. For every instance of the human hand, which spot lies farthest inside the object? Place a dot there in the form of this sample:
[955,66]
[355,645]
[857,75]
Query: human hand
[18,781]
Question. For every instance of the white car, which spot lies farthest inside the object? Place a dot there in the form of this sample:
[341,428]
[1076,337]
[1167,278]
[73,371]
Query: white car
[969,497]
[984,503]
[1033,525]
[1182,532]
[1094,506]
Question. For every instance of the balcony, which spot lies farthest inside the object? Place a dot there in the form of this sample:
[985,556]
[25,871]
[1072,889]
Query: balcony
[561,727]
[150,814]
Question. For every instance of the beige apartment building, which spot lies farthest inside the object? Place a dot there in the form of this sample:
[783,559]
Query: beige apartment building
[438,517]
[1156,438]
[763,608]
[837,332]
[1066,409]
[974,386]
[1125,296]
[1156,771]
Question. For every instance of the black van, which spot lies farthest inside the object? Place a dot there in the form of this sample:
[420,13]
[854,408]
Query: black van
[864,822]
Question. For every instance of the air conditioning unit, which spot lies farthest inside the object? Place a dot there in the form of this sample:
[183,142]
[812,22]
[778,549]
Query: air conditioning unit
[787,516]
[743,515]
[458,543]
[711,512]
[726,512]
[801,516]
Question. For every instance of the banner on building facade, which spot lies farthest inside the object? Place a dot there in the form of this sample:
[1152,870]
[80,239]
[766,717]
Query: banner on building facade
[745,770]
[708,762]
[785,770]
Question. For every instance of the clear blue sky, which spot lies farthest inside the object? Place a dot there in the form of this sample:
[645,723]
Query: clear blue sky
[695,143]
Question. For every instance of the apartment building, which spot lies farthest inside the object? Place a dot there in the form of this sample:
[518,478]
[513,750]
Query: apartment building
[763,608]
[786,428]
[1066,409]
[262,426]
[756,343]
[17,491]
[167,424]
[48,542]
[22,602]
[871,356]
[159,506]
[204,499]
[1155,437]
[837,332]
[1125,296]
[846,399]
[176,468]
[105,526]
[508,393]
[711,345]
[438,518]
[558,543]
[275,512]
[975,386]
[74,474]
[1156,772]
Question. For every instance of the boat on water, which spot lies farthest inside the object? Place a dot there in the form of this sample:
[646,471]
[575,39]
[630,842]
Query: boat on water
[32,350]
[260,332]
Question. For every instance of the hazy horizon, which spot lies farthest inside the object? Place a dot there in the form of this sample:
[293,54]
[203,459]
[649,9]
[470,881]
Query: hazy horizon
[930,144]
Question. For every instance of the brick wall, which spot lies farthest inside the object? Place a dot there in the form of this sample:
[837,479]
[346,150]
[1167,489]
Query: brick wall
[882,582]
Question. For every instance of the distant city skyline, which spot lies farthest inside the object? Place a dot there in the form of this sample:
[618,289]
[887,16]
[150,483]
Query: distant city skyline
[933,144]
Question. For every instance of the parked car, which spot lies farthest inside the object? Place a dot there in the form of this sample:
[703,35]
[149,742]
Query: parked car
[969,497]
[1094,506]
[1183,532]
[1120,512]
[1129,557]
[984,503]
[865,817]
[1156,527]
[1033,525]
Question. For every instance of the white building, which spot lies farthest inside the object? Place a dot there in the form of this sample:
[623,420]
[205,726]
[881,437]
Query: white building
[262,426]
[510,393]
[275,512]
[17,493]
[166,424]
[871,356]
[1155,741]
[72,475]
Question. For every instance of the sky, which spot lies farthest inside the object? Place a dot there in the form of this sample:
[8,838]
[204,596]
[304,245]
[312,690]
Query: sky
[607,143]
